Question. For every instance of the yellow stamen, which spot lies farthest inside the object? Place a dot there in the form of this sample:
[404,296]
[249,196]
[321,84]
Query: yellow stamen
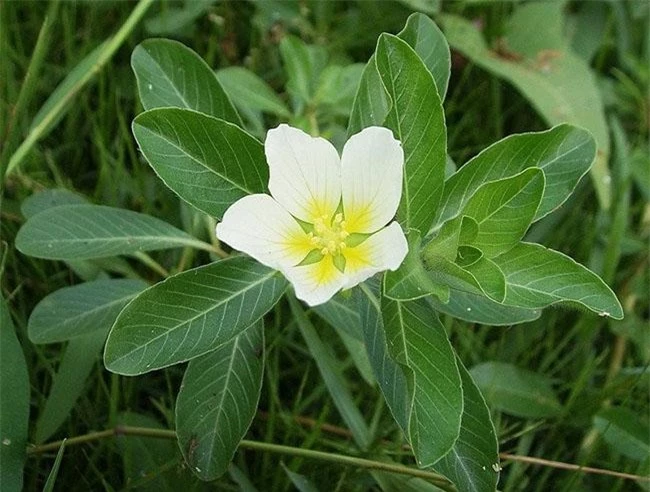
[329,234]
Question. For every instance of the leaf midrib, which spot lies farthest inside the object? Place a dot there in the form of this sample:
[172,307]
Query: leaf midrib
[193,318]
[192,157]
[78,318]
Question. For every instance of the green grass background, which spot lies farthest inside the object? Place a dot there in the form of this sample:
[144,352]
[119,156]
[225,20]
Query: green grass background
[594,362]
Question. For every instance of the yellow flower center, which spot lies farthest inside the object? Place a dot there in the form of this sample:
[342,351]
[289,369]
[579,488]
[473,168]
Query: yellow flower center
[329,235]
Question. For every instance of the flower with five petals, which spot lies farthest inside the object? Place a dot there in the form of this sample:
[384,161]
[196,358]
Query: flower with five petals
[327,224]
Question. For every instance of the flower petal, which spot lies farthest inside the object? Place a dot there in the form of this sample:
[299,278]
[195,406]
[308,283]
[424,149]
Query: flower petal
[316,283]
[372,167]
[259,226]
[305,173]
[384,250]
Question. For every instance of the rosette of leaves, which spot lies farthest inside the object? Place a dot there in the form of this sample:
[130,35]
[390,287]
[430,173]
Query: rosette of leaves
[467,257]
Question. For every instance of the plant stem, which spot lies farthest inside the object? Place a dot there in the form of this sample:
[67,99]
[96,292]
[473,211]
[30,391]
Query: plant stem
[434,478]
[151,263]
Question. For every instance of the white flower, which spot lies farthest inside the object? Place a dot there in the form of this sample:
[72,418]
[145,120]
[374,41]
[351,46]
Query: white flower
[325,225]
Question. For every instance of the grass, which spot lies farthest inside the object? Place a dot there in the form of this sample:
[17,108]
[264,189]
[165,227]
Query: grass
[595,363]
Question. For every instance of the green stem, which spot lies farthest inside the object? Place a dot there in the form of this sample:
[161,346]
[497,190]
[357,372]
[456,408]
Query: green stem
[434,478]
[151,263]
[102,59]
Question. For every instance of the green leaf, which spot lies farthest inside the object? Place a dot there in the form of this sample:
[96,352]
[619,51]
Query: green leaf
[489,277]
[418,343]
[389,375]
[625,431]
[208,162]
[68,383]
[72,232]
[337,87]
[459,230]
[427,6]
[14,411]
[342,312]
[330,370]
[371,102]
[170,74]
[448,273]
[84,269]
[248,90]
[218,400]
[300,67]
[46,199]
[473,462]
[357,351]
[558,83]
[426,38]
[417,119]
[504,209]
[538,277]
[81,309]
[190,314]
[173,21]
[522,39]
[476,308]
[516,391]
[564,153]
[51,478]
[411,280]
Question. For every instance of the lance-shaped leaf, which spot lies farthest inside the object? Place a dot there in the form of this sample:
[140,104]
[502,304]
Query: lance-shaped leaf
[74,232]
[417,120]
[564,153]
[389,375]
[49,198]
[426,38]
[190,314]
[300,67]
[516,391]
[249,91]
[169,74]
[330,369]
[217,402]
[208,162]
[625,431]
[504,209]
[81,309]
[14,404]
[477,308]
[473,462]
[371,103]
[68,383]
[489,277]
[537,277]
[417,341]
[342,312]
[454,276]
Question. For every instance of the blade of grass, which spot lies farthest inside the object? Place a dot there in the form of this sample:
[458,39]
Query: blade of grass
[51,479]
[29,85]
[63,102]
[333,378]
